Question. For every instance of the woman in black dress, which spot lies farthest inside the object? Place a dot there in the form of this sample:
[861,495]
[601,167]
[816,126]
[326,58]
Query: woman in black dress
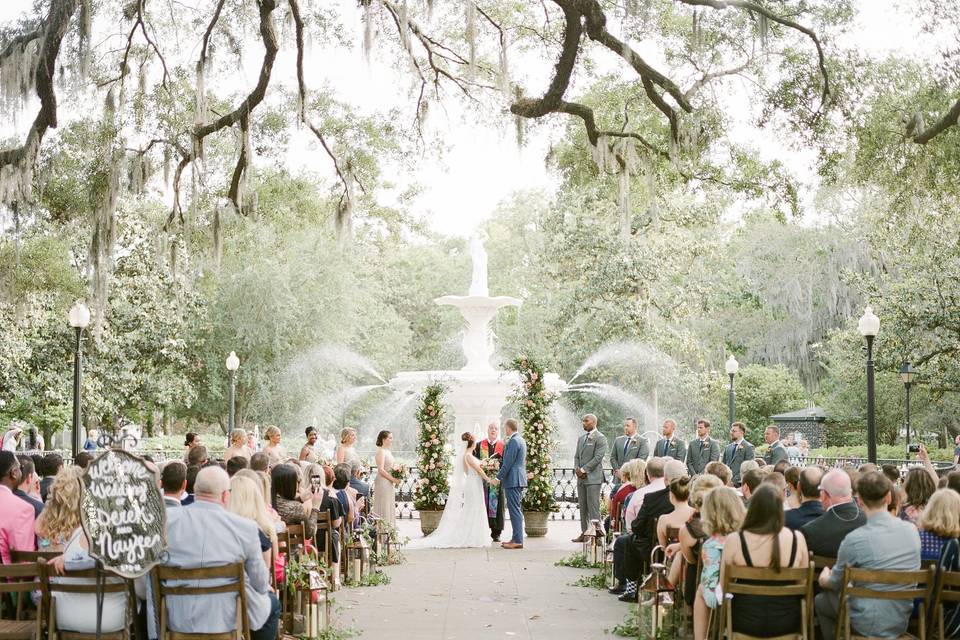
[763,541]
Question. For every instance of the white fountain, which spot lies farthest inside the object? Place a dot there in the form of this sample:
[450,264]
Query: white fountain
[477,392]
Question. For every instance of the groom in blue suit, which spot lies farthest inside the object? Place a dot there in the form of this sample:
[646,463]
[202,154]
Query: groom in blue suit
[513,479]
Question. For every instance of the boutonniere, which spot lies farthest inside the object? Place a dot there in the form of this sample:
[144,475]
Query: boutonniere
[740,447]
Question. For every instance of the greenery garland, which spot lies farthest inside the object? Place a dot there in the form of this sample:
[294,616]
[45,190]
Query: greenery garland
[433,457]
[534,402]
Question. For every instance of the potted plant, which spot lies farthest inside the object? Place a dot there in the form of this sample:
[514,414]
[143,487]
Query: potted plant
[534,401]
[433,460]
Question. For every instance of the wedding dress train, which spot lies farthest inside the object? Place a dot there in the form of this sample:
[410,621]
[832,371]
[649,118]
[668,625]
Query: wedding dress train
[464,520]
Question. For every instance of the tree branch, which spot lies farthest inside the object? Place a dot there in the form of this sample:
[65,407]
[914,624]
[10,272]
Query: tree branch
[760,9]
[269,36]
[21,159]
[950,119]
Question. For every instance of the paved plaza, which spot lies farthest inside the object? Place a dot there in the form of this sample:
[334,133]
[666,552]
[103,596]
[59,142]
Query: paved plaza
[462,594]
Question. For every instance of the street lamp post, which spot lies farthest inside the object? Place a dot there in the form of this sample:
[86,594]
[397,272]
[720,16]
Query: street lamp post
[732,366]
[79,318]
[869,326]
[233,363]
[906,374]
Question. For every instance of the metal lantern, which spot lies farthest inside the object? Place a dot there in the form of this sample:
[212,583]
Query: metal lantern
[599,542]
[315,605]
[384,541]
[590,544]
[358,559]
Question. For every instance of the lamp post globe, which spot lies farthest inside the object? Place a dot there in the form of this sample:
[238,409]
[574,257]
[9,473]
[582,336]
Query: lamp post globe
[79,319]
[233,363]
[731,366]
[907,374]
[869,326]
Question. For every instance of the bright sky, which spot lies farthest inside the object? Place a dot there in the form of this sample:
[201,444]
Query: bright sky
[484,164]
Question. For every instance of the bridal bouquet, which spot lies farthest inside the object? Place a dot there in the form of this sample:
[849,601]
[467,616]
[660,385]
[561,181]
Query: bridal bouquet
[399,472]
[490,466]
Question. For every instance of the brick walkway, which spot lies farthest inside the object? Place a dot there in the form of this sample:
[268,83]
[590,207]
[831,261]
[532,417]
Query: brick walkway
[461,594]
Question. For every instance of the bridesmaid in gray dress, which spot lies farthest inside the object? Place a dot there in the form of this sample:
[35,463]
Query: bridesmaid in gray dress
[385,485]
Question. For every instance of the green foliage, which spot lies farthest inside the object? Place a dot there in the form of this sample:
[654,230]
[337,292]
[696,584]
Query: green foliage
[577,561]
[371,579]
[533,402]
[761,392]
[432,448]
[591,581]
[884,452]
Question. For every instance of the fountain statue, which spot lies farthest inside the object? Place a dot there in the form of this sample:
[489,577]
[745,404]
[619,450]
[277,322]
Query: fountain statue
[478,391]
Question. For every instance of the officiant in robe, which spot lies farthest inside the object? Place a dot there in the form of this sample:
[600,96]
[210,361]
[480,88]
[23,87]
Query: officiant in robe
[492,447]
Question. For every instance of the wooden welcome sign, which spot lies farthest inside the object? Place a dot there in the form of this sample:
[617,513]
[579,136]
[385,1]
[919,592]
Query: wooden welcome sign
[122,513]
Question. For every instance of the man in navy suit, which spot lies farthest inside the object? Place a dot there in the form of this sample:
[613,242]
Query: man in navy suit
[513,479]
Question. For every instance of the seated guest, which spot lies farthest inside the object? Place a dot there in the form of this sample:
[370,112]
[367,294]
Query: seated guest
[938,523]
[776,480]
[197,456]
[631,476]
[238,446]
[642,537]
[918,486]
[792,476]
[721,471]
[722,513]
[692,535]
[262,481]
[327,501]
[207,535]
[763,541]
[61,515]
[83,459]
[293,505]
[77,612]
[810,506]
[884,542]
[781,467]
[260,462]
[841,516]
[246,501]
[17,518]
[654,482]
[751,482]
[52,464]
[892,472]
[953,480]
[173,483]
[676,519]
[361,487]
[350,501]
[748,465]
[236,463]
[29,488]
[192,471]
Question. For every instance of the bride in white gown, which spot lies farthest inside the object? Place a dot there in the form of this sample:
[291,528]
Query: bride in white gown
[464,520]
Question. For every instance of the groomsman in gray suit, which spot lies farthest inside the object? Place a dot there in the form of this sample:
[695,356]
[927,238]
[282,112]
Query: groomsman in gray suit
[703,450]
[737,451]
[669,444]
[588,462]
[775,449]
[626,448]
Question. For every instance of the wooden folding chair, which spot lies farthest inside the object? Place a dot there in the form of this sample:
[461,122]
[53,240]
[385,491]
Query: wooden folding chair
[324,524]
[22,580]
[910,590]
[161,591]
[947,591]
[822,561]
[32,556]
[110,583]
[787,582]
